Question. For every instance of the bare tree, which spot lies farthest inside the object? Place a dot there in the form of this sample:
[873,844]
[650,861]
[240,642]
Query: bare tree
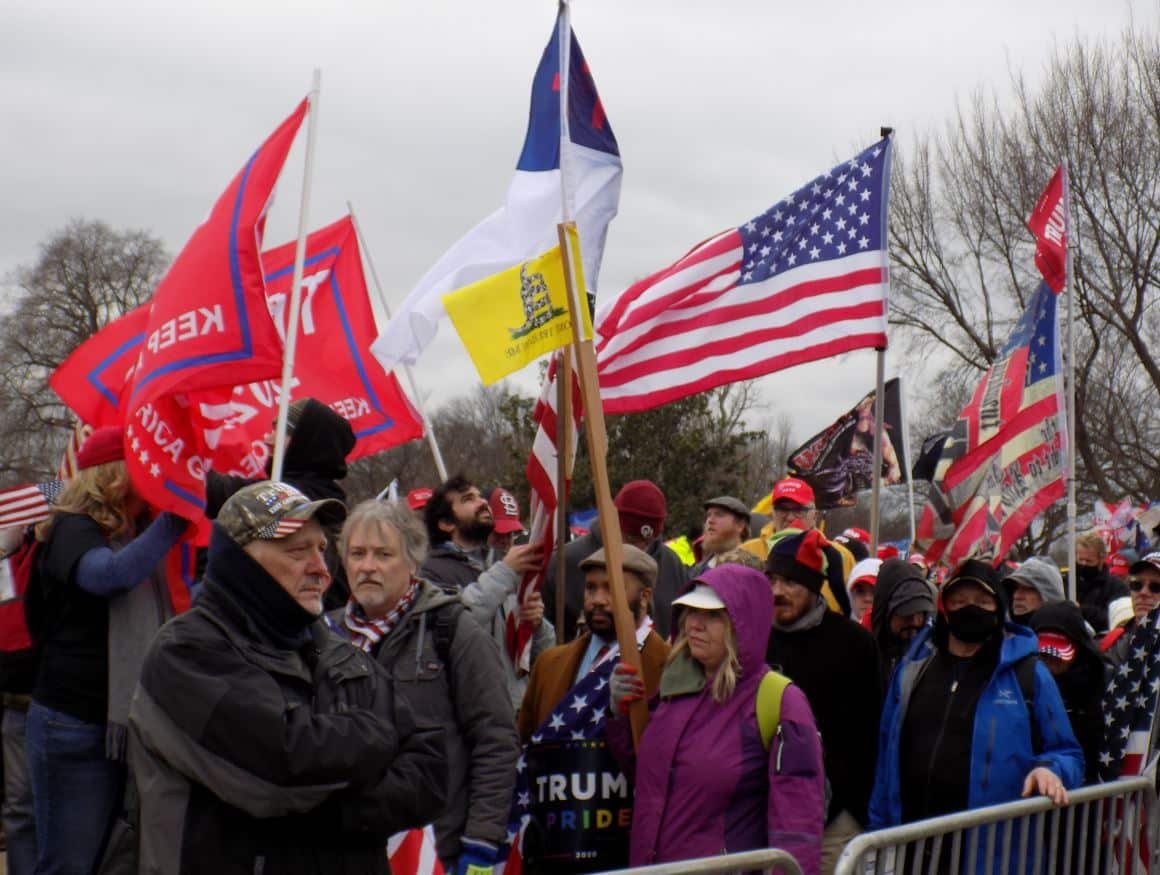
[963,259]
[86,275]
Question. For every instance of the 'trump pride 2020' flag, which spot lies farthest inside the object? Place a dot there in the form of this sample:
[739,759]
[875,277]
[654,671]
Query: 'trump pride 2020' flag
[805,280]
[526,224]
[208,328]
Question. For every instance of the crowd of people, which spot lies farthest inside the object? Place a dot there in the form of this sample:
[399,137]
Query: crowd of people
[346,673]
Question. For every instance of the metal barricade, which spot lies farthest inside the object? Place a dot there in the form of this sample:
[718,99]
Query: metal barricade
[1106,828]
[764,860]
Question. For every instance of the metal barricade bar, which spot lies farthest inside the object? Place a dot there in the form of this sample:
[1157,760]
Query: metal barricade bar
[1012,825]
[747,861]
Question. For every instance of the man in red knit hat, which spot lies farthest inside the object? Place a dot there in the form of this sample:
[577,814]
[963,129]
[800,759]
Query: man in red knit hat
[642,511]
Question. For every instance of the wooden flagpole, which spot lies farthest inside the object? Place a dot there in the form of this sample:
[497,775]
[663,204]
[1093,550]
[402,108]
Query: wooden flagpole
[291,340]
[597,438]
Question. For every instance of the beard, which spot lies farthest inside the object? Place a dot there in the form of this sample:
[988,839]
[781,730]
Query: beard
[601,621]
[476,531]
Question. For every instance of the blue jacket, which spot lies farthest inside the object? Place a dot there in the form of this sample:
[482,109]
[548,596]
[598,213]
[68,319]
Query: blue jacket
[1001,748]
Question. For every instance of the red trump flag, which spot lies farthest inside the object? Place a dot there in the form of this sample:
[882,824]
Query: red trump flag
[90,381]
[1048,223]
[208,328]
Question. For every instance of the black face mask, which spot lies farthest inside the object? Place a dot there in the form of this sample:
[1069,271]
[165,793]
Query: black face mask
[1087,573]
[972,624]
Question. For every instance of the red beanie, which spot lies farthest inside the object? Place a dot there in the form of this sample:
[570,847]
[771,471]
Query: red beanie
[103,445]
[642,509]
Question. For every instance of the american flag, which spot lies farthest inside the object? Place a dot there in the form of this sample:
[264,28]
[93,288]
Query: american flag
[25,505]
[1129,708]
[1004,460]
[541,474]
[805,280]
[413,853]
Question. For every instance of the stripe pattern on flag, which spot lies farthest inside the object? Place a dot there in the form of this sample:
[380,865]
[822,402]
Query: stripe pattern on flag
[25,505]
[1004,461]
[805,280]
[413,853]
[546,493]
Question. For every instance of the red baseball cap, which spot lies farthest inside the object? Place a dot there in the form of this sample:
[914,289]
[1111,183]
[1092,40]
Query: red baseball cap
[505,510]
[417,498]
[1118,565]
[793,489]
[1056,644]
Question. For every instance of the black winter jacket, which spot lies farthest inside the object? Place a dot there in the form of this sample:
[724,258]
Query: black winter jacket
[261,742]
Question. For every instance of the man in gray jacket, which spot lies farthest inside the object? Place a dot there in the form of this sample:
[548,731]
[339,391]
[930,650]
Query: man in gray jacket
[445,666]
[1035,583]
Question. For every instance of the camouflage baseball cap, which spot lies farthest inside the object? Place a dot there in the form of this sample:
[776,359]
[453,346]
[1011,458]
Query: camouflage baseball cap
[271,510]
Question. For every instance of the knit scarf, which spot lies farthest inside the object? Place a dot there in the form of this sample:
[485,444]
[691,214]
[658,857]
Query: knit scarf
[366,633]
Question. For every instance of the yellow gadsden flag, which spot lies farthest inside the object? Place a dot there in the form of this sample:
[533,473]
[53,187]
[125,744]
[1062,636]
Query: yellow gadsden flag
[512,318]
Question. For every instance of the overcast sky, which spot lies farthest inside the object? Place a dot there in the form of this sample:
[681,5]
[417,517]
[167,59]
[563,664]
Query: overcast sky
[139,113]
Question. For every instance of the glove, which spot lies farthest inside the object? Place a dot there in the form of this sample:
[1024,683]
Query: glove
[624,688]
[476,857]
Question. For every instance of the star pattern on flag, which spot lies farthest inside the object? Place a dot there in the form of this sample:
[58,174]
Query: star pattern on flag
[1130,703]
[837,214]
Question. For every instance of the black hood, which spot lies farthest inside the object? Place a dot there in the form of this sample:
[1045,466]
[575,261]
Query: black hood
[231,573]
[892,574]
[1066,617]
[317,453]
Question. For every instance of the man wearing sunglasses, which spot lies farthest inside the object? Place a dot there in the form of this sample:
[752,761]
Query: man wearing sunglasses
[1144,585]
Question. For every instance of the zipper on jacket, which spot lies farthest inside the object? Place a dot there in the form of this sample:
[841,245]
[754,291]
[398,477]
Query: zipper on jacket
[941,733]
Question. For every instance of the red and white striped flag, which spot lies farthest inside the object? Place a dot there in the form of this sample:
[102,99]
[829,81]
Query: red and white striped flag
[28,504]
[805,280]
[546,495]
[413,853]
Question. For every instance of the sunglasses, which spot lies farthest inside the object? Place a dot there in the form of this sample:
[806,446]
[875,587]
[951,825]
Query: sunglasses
[1135,584]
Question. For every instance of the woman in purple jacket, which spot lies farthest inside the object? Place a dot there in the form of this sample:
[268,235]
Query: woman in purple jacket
[705,782]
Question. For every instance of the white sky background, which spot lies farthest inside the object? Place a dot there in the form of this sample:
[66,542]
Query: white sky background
[139,114]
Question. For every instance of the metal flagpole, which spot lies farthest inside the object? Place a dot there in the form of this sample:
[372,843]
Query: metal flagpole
[879,408]
[1070,282]
[291,340]
[419,405]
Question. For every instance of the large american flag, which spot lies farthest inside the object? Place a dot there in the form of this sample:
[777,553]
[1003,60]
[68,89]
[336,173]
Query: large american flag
[805,280]
[1004,461]
[546,496]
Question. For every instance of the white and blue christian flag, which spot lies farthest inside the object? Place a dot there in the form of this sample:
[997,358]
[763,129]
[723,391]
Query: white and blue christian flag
[526,224]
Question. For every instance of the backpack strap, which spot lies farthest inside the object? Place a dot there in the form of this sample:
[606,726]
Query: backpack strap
[769,693]
[443,634]
[1025,674]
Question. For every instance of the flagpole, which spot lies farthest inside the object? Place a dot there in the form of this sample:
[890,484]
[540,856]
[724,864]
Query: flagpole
[564,372]
[563,458]
[879,401]
[597,438]
[291,343]
[1070,282]
[879,418]
[428,430]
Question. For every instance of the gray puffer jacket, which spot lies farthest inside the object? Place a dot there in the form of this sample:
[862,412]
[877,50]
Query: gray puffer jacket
[467,694]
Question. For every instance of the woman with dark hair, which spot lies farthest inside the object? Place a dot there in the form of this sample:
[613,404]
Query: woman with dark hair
[93,606]
[712,775]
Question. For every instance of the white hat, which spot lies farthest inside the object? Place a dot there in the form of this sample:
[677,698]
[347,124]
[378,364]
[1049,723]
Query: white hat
[703,597]
[866,571]
[1120,611]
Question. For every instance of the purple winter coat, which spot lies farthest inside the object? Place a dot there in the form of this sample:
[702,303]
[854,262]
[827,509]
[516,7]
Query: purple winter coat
[705,785]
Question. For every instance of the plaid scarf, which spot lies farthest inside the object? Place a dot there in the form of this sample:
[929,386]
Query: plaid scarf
[365,633]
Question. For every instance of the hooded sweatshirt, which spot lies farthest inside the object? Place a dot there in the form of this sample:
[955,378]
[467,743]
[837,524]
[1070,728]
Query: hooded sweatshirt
[900,583]
[705,784]
[1040,573]
[1082,685]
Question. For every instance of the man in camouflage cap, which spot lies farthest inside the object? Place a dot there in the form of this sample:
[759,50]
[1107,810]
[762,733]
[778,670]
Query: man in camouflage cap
[249,716]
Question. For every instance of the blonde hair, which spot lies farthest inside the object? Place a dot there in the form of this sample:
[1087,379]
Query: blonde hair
[1093,541]
[100,492]
[725,681]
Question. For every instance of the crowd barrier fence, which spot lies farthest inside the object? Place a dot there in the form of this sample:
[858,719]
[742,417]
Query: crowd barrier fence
[1105,828]
[763,860]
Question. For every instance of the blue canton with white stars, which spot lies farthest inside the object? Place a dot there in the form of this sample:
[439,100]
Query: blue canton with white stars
[840,213]
[1036,331]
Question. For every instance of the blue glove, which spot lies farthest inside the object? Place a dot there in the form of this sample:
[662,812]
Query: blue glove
[476,857]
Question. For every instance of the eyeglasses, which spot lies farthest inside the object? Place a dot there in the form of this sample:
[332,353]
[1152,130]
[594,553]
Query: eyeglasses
[1135,584]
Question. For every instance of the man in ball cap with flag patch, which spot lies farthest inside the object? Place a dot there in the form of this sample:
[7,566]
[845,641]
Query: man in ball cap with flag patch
[835,663]
[322,725]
